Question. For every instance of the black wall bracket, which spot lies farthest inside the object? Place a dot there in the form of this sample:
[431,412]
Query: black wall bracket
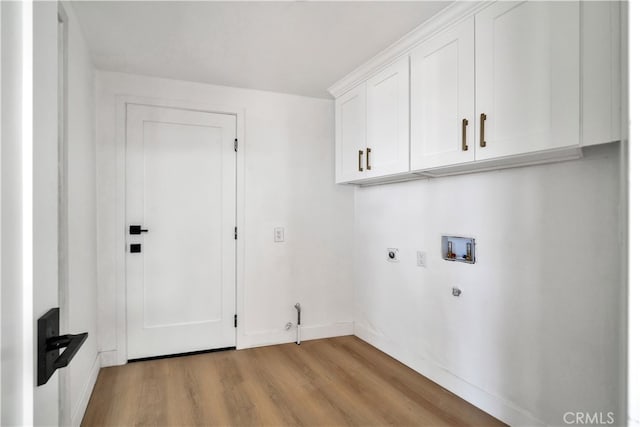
[50,342]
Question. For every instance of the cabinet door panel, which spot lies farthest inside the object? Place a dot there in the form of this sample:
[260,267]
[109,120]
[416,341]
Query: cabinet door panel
[350,133]
[388,120]
[442,95]
[527,77]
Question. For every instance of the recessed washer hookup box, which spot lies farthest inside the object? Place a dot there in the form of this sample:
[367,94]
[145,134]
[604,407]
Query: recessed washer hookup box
[461,249]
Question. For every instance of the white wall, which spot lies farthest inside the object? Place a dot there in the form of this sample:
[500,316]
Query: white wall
[288,182]
[632,68]
[82,303]
[536,331]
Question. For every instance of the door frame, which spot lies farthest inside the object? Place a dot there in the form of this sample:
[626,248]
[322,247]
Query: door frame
[120,206]
[65,415]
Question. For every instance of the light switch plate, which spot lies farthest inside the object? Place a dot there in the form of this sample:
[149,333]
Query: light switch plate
[278,234]
[421,259]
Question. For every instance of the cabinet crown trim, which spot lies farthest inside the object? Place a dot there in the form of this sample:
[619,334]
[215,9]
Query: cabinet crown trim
[448,16]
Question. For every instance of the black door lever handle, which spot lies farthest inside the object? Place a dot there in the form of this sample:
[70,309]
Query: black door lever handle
[50,342]
[137,229]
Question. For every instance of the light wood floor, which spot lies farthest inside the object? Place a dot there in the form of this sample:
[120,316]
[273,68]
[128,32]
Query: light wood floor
[330,382]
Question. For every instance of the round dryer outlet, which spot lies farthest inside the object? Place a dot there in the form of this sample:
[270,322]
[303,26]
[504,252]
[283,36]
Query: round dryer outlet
[392,255]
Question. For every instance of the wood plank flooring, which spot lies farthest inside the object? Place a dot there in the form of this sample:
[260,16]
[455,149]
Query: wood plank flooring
[330,382]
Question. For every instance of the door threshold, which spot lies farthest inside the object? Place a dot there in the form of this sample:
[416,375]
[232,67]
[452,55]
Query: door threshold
[170,356]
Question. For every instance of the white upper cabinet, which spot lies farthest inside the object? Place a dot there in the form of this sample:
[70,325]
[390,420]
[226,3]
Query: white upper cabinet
[527,78]
[350,110]
[372,126]
[442,99]
[387,148]
[491,85]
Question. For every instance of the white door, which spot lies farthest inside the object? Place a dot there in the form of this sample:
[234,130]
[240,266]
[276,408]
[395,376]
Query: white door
[387,149]
[181,187]
[443,99]
[350,134]
[528,77]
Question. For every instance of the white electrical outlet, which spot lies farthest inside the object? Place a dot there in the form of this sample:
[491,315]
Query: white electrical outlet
[421,259]
[392,254]
[278,234]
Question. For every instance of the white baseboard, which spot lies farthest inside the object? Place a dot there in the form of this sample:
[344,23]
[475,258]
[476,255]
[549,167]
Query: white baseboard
[264,338]
[326,331]
[81,407]
[496,406]
[109,358]
[261,339]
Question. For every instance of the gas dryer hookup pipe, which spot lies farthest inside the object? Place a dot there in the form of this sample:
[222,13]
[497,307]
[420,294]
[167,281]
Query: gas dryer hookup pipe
[297,306]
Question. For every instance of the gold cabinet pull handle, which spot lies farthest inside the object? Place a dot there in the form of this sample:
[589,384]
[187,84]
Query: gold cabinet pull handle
[465,122]
[360,153]
[368,164]
[483,118]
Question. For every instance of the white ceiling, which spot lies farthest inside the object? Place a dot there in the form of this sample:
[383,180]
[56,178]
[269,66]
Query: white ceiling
[292,47]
